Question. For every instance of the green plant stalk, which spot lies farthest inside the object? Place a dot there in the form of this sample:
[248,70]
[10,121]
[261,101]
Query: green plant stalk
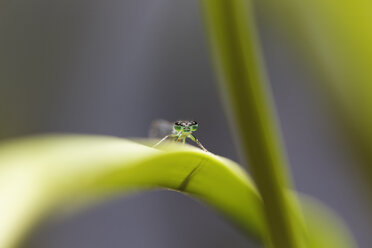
[237,54]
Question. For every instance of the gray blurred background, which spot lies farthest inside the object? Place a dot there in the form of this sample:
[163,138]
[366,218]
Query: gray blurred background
[111,67]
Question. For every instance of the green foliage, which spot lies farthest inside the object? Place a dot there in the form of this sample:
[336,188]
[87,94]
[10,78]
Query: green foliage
[40,173]
[335,37]
[243,84]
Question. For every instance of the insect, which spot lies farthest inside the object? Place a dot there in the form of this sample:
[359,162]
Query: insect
[181,130]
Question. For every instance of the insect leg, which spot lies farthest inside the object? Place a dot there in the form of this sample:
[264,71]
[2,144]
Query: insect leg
[197,142]
[166,137]
[179,137]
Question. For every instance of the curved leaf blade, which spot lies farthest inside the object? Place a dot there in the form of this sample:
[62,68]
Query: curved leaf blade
[39,173]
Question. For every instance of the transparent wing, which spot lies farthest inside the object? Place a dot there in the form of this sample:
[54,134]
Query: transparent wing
[160,128]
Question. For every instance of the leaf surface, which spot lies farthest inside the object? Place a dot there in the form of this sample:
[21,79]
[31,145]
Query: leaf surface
[39,173]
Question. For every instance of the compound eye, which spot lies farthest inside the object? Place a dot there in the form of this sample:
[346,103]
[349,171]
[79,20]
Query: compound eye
[177,127]
[194,127]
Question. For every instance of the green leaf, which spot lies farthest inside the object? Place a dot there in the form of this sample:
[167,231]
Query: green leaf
[39,173]
[324,228]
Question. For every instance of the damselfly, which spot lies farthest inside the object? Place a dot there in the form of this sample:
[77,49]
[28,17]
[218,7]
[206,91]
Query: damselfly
[178,131]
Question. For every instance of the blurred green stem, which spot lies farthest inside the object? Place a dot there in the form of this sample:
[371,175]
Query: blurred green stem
[237,55]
